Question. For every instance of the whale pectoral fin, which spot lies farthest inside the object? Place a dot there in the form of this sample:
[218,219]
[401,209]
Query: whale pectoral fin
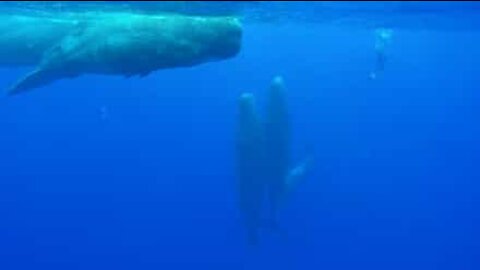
[26,83]
[298,173]
[34,79]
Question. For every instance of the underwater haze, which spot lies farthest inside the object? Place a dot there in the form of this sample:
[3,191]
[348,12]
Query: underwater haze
[107,172]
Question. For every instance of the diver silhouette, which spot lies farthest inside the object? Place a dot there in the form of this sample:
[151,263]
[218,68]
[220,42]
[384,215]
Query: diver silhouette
[383,37]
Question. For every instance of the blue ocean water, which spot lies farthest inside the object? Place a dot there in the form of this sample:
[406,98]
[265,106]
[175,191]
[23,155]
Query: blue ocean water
[103,172]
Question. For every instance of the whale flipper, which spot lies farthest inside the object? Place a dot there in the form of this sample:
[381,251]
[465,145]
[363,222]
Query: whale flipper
[35,79]
[51,67]
[298,173]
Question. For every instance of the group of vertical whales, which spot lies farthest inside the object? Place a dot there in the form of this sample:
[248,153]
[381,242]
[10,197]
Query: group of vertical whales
[111,43]
[265,175]
[128,44]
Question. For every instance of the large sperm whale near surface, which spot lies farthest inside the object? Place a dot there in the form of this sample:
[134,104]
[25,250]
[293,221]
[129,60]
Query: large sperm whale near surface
[133,45]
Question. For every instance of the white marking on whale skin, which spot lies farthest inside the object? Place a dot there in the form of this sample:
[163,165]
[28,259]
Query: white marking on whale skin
[135,45]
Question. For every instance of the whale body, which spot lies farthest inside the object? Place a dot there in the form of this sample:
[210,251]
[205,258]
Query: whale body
[135,45]
[250,163]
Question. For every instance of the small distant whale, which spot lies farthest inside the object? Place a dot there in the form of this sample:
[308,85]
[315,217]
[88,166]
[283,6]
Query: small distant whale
[135,45]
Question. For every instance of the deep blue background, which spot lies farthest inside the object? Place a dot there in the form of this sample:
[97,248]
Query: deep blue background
[151,184]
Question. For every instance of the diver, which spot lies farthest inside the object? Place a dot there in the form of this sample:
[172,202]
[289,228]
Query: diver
[383,36]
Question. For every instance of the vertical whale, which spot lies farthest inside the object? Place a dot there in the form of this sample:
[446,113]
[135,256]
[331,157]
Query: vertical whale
[277,145]
[250,160]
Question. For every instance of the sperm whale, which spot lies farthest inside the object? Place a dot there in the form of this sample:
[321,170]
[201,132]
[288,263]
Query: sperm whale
[129,45]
